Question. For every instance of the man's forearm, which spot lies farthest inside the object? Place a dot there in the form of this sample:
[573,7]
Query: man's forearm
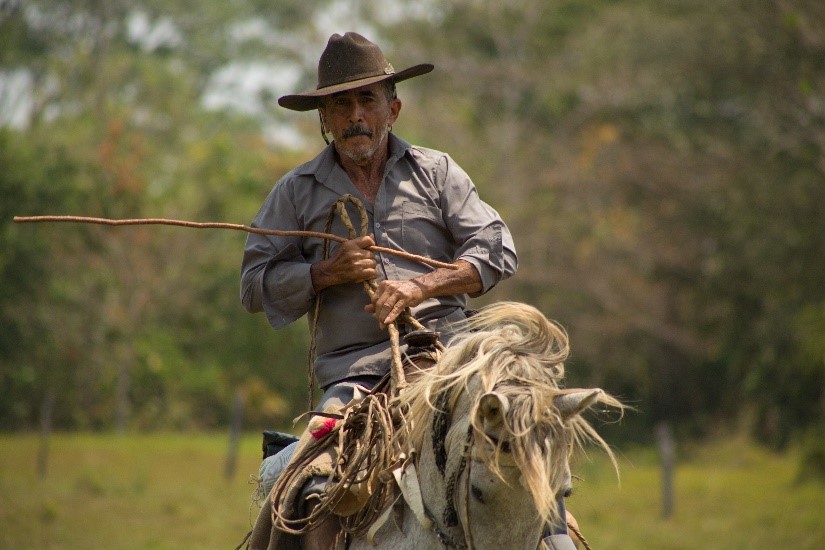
[449,282]
[321,277]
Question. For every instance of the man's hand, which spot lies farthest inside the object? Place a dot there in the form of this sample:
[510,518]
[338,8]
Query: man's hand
[350,263]
[392,297]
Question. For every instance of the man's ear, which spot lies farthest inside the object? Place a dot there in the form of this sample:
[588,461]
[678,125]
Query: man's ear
[395,108]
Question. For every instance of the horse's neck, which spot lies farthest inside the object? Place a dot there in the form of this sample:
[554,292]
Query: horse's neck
[435,493]
[505,518]
[411,534]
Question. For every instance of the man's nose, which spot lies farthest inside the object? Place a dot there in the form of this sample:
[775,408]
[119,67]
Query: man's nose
[356,112]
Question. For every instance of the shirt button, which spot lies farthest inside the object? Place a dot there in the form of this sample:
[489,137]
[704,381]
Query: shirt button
[377,225]
[386,261]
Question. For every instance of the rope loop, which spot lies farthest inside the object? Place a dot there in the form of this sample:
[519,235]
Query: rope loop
[398,380]
[365,436]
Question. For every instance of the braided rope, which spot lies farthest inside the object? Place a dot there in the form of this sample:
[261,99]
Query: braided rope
[281,491]
[579,535]
[365,435]
[365,440]
[367,450]
[370,286]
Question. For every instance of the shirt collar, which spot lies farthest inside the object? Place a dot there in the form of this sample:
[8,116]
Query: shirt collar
[398,148]
[320,166]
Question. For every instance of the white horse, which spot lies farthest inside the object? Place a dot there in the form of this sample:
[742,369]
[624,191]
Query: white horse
[488,433]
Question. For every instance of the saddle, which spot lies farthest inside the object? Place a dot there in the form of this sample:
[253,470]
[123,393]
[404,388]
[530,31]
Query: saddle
[316,463]
[421,355]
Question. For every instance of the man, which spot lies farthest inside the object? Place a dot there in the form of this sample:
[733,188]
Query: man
[418,200]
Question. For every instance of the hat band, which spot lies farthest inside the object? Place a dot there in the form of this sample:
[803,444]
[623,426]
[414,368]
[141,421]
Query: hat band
[388,71]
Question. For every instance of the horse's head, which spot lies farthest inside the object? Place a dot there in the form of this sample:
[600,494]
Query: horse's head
[495,430]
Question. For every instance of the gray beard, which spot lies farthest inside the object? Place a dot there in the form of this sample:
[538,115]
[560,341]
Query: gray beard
[368,154]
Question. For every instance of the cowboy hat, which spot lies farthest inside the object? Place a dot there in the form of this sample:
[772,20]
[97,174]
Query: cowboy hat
[349,62]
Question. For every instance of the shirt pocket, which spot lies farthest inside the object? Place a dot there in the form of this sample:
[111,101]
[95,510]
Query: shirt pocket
[424,232]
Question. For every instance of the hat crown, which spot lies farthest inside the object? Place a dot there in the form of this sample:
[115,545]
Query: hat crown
[348,58]
[349,62]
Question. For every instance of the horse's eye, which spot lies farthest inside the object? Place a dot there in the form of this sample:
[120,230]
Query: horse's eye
[568,492]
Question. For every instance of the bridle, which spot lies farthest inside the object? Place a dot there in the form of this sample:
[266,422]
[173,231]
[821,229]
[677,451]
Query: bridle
[440,427]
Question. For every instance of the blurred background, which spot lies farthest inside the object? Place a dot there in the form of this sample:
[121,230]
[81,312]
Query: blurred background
[661,164]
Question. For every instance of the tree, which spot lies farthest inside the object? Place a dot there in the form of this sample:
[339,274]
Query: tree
[119,88]
[660,165]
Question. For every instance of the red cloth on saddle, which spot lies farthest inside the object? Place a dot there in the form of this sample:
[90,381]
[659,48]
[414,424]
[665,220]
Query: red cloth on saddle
[324,429]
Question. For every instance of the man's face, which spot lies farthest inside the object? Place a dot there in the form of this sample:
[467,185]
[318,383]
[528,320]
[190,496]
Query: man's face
[359,120]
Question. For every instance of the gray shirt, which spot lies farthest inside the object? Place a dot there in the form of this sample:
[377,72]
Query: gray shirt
[426,205]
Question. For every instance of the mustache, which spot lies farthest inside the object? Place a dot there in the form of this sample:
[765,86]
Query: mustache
[357,130]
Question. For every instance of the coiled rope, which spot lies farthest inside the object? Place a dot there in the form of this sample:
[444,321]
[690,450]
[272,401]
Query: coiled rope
[365,433]
[370,286]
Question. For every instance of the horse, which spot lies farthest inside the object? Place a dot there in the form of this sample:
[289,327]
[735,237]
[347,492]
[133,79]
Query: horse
[487,437]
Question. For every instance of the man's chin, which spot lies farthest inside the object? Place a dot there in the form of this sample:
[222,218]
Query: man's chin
[359,154]
[360,148]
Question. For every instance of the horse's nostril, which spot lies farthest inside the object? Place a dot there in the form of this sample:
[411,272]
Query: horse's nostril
[477,494]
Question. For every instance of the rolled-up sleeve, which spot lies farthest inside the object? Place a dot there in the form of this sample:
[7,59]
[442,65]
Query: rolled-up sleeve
[482,236]
[275,275]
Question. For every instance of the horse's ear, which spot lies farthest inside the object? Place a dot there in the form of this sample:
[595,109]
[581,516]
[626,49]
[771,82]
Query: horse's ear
[492,407]
[576,402]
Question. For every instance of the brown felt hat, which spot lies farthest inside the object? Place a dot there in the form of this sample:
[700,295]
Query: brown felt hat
[349,62]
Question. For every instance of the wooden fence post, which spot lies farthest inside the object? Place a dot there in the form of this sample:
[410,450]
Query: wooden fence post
[46,412]
[667,454]
[234,433]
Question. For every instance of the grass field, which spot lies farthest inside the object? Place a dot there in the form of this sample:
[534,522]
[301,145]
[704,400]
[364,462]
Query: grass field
[169,491]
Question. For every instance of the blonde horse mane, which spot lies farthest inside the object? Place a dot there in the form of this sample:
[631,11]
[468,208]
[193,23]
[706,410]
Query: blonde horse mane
[514,350]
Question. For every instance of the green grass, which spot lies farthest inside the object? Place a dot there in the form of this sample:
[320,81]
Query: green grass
[125,492]
[168,491]
[728,496]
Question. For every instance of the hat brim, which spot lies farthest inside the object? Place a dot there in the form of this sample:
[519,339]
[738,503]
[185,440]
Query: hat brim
[308,101]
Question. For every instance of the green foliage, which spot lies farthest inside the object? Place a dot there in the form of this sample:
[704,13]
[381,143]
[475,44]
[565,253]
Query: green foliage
[26,183]
[659,162]
[138,328]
